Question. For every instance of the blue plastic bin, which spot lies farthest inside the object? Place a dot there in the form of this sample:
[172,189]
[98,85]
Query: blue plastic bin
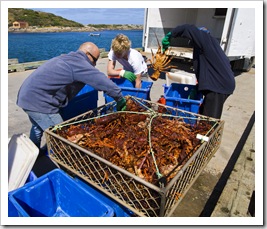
[12,211]
[55,194]
[165,88]
[186,98]
[84,101]
[119,210]
[31,177]
[128,88]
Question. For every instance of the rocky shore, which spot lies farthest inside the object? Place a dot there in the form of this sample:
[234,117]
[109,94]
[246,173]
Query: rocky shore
[54,29]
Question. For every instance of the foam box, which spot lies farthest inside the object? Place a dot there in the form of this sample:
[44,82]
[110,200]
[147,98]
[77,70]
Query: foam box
[22,154]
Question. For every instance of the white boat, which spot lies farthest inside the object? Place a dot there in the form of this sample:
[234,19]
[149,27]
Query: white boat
[94,34]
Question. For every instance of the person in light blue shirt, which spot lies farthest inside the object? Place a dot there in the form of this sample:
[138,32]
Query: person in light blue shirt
[52,85]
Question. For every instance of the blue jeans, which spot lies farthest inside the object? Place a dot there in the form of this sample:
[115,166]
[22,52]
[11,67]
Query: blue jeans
[40,122]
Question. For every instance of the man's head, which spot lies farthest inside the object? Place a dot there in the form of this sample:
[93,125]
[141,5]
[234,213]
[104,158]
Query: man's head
[91,50]
[120,45]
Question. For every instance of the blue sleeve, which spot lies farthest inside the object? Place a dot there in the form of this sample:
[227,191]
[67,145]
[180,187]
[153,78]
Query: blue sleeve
[80,69]
[191,32]
[212,67]
[88,74]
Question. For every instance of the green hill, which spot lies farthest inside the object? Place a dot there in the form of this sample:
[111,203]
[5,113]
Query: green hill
[37,18]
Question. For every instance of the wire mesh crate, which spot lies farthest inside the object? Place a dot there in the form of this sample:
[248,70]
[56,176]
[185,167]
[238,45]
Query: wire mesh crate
[142,197]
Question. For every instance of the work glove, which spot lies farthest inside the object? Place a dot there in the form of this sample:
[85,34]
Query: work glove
[128,75]
[166,41]
[121,104]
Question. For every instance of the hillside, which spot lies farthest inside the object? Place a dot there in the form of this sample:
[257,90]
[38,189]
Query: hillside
[37,18]
[48,22]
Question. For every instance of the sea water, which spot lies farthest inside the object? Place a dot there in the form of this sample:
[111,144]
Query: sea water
[28,47]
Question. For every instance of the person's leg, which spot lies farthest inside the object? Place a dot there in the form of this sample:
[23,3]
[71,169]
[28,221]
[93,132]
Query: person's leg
[40,122]
[213,104]
[36,133]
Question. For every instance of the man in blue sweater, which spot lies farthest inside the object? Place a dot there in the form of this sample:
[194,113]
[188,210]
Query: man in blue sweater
[56,82]
[212,67]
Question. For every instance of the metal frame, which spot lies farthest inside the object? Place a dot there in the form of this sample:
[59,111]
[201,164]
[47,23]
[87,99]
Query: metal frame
[136,194]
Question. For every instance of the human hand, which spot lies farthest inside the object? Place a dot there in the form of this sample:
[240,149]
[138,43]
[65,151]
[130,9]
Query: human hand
[128,75]
[121,104]
[166,41]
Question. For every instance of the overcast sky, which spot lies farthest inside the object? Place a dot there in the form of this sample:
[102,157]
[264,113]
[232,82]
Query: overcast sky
[99,15]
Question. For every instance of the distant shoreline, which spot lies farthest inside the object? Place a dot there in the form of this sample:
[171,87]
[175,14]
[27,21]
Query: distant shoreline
[71,29]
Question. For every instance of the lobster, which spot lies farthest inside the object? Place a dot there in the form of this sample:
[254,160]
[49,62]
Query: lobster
[128,140]
[160,61]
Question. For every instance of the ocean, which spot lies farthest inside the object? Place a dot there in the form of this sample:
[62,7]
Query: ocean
[28,47]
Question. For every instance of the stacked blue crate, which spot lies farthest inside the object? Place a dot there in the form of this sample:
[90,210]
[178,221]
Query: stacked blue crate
[165,88]
[184,97]
[128,88]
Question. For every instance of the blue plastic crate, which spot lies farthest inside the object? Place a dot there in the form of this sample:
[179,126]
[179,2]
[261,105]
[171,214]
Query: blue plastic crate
[12,211]
[119,210]
[85,90]
[84,101]
[165,88]
[31,177]
[55,194]
[128,88]
[184,97]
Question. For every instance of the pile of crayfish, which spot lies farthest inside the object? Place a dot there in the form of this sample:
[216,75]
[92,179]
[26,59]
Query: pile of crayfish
[143,144]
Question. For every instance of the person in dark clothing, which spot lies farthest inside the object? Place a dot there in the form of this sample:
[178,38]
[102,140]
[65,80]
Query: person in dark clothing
[52,85]
[212,67]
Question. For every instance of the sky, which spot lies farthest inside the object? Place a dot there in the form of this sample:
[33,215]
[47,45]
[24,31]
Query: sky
[99,15]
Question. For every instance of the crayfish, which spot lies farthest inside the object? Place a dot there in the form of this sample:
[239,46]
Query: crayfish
[132,140]
[160,61]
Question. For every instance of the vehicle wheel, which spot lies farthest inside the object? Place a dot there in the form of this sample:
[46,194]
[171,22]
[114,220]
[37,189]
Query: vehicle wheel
[248,64]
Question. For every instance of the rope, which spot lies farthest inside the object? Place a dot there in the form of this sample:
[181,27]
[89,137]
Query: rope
[153,114]
[99,116]
[150,146]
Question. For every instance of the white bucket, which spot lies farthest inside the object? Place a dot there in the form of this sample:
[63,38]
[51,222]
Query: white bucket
[180,76]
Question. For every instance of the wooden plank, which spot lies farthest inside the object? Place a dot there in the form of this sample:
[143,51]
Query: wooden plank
[103,54]
[102,50]
[13,61]
[25,66]
[13,64]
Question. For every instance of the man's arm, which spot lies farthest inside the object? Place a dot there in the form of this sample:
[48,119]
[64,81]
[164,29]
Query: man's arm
[191,32]
[138,82]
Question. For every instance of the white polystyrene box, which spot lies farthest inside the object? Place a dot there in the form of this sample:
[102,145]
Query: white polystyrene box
[179,76]
[22,154]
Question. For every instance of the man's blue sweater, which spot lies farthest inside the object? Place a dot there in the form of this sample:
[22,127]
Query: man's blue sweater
[54,83]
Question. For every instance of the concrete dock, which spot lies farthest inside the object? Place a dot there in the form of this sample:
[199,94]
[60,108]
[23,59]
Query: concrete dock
[225,187]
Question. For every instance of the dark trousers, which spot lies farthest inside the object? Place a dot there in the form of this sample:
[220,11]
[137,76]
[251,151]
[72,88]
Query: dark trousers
[212,105]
